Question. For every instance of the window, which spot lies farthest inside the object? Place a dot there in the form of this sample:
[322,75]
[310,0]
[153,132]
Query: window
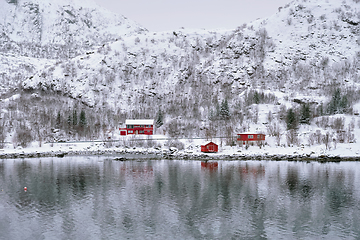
[130,131]
[258,136]
[130,126]
[141,132]
[250,136]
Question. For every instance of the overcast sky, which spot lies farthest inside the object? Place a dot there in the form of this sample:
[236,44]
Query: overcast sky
[163,15]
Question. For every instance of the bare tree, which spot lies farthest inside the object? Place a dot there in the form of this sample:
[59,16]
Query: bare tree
[327,140]
[292,137]
[311,139]
[22,137]
[2,133]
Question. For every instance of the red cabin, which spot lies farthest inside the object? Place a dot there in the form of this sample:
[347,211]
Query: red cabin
[209,148]
[138,126]
[250,137]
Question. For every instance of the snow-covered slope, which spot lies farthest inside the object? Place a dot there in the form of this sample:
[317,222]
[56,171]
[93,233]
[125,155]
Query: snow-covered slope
[58,29]
[314,30]
[309,46]
[34,32]
[14,69]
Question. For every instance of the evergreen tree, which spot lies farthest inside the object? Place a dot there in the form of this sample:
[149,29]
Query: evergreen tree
[334,104]
[74,118]
[224,110]
[82,120]
[305,114]
[256,97]
[217,114]
[211,115]
[291,121]
[58,120]
[159,119]
[69,121]
[343,105]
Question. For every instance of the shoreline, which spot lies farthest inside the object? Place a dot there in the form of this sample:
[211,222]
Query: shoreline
[162,154]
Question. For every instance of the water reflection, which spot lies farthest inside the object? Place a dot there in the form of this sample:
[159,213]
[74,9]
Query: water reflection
[212,166]
[92,198]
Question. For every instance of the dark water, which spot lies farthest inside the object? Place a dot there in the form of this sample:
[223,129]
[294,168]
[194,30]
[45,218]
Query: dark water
[97,198]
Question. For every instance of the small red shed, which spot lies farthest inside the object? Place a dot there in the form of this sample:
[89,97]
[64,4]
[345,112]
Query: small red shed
[250,137]
[209,148]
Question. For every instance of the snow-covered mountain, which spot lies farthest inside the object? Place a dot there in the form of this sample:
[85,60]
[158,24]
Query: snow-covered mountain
[58,29]
[306,45]
[301,54]
[33,33]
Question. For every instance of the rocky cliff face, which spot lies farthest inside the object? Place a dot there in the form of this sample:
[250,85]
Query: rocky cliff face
[35,34]
[308,46]
[60,29]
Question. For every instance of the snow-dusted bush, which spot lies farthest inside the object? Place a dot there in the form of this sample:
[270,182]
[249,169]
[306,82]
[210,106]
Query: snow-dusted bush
[322,122]
[22,137]
[292,137]
[173,129]
[327,139]
[176,144]
[311,139]
[338,124]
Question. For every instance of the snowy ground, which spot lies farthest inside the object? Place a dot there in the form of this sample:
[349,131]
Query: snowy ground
[160,147]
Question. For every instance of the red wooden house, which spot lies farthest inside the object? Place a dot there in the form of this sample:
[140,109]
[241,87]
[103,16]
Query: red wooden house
[138,126]
[209,148]
[251,137]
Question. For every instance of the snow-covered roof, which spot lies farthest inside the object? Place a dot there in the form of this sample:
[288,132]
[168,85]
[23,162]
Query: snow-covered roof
[250,133]
[139,122]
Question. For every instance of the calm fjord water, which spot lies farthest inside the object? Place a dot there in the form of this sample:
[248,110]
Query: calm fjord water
[98,198]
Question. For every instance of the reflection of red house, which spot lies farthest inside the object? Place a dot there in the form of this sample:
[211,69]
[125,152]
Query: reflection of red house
[254,171]
[209,165]
[138,126]
[209,148]
[250,137]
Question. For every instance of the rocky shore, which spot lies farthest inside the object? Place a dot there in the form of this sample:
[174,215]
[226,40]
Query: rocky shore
[128,154]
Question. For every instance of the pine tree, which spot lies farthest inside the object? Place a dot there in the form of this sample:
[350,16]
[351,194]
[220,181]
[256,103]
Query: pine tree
[159,119]
[82,120]
[217,114]
[343,105]
[256,97]
[211,115]
[291,121]
[58,120]
[305,114]
[334,104]
[224,110]
[74,118]
[69,120]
